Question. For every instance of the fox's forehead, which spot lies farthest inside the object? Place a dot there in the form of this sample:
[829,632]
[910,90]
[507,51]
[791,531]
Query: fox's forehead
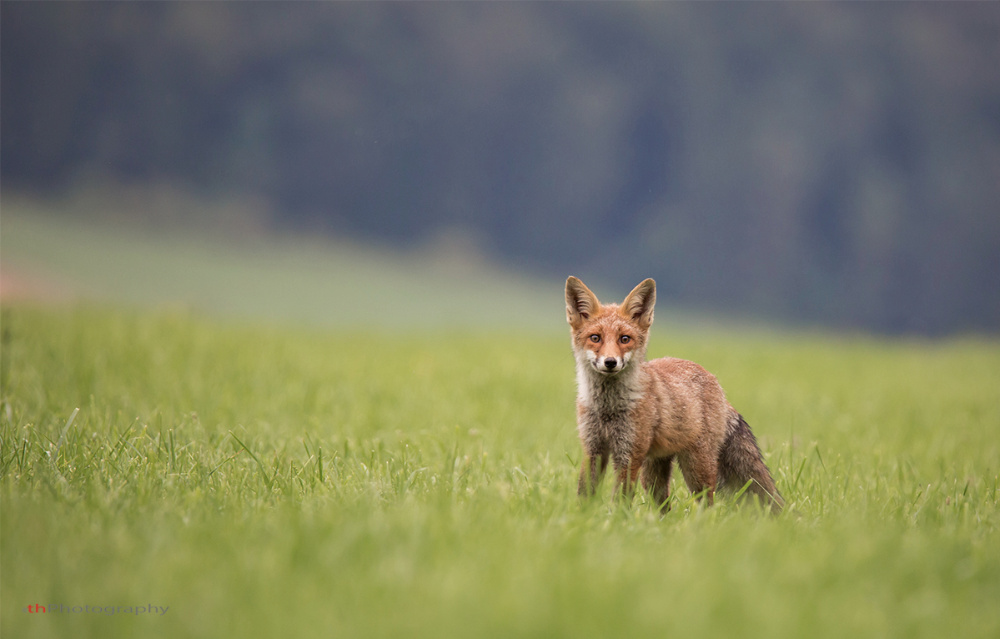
[608,320]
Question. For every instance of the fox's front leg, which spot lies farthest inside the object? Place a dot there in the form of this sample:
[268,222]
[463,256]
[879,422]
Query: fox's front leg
[627,471]
[591,472]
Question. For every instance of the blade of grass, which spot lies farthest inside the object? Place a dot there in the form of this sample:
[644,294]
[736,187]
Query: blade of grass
[267,479]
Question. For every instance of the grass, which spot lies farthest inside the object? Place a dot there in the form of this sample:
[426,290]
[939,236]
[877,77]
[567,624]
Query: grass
[263,481]
[277,438]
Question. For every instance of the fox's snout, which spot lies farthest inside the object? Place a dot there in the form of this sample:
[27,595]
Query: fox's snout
[606,365]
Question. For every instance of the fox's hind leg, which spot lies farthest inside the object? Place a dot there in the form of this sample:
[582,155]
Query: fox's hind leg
[701,475]
[656,479]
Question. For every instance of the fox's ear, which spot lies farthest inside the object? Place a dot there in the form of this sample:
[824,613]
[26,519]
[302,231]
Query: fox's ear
[581,303]
[638,306]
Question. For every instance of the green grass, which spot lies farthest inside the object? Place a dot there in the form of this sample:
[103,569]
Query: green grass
[274,481]
[278,437]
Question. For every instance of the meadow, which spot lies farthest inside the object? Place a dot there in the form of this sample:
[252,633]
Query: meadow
[255,476]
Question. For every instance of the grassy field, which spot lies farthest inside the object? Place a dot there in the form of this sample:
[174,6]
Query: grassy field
[257,474]
[265,481]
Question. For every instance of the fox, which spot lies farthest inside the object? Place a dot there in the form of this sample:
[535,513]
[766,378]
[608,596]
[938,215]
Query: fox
[644,415]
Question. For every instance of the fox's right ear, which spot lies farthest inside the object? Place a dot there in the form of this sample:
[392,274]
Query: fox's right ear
[581,303]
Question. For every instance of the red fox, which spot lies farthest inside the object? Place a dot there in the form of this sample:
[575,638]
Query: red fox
[644,415]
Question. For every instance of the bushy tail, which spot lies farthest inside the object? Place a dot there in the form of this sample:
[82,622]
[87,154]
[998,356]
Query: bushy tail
[741,461]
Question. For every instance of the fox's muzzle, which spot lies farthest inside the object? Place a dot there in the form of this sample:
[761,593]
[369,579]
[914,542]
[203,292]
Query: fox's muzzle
[606,365]
[609,365]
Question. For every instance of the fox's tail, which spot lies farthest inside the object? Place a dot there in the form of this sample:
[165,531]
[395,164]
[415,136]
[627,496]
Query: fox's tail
[741,461]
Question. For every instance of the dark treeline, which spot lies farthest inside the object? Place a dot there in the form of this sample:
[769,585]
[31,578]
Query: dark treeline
[831,162]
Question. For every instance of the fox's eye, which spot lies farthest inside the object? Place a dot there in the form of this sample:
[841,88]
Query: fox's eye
[595,338]
[624,339]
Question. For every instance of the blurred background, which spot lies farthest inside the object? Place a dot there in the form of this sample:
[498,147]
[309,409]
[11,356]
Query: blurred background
[831,164]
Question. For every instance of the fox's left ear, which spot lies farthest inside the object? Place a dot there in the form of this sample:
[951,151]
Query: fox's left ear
[638,306]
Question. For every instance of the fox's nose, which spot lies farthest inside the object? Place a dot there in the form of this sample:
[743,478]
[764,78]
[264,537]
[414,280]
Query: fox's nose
[610,363]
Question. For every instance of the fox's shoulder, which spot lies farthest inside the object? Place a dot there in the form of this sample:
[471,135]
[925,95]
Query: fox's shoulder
[679,370]
[685,382]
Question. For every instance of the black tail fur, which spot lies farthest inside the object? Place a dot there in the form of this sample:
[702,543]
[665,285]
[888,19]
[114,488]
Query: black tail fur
[740,461]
